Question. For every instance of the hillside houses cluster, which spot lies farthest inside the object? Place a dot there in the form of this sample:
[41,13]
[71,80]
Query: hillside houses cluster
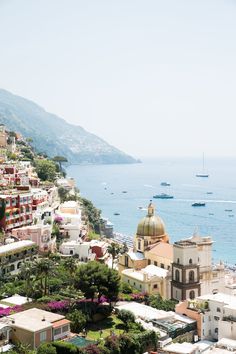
[28,211]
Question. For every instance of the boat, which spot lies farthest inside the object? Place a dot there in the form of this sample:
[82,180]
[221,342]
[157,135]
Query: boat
[211,213]
[198,204]
[124,191]
[209,192]
[231,215]
[229,210]
[203,173]
[116,213]
[163,196]
[165,184]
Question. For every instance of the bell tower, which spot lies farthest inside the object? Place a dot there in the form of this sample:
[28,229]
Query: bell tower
[185,283]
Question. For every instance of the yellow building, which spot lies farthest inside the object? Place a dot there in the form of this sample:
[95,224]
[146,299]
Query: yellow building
[151,280]
[151,245]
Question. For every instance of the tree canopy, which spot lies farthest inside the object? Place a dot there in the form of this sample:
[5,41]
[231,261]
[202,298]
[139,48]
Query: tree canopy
[96,279]
[46,170]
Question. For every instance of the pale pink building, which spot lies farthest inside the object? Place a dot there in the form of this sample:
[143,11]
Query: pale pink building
[40,234]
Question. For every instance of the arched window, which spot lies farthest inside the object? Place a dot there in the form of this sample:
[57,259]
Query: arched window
[19,265]
[190,261]
[192,294]
[178,260]
[191,276]
[139,244]
[12,267]
[177,275]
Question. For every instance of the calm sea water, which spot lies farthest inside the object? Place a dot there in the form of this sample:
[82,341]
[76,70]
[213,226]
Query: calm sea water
[103,184]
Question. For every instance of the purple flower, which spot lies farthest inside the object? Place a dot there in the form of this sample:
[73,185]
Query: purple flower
[10,310]
[58,305]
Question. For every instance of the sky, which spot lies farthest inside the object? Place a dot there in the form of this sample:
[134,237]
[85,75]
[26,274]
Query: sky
[152,77]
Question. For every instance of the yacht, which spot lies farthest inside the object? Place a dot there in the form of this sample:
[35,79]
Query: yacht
[203,173]
[198,204]
[163,196]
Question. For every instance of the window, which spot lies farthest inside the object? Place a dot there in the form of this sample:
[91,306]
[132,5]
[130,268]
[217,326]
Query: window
[203,332]
[65,328]
[149,261]
[190,261]
[177,275]
[128,280]
[216,330]
[155,263]
[218,309]
[178,260]
[216,318]
[209,332]
[192,294]
[126,261]
[155,286]
[42,336]
[162,265]
[57,331]
[191,276]
[140,286]
[134,283]
[139,244]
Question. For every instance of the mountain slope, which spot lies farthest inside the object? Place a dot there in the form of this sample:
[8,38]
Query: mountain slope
[53,135]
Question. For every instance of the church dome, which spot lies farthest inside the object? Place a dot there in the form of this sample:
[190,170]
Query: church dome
[151,225]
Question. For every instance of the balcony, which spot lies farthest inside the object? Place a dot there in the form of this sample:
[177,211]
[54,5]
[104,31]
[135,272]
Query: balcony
[229,318]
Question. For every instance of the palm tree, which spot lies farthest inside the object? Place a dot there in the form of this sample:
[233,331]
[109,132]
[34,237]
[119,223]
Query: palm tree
[44,268]
[113,249]
[26,272]
[71,265]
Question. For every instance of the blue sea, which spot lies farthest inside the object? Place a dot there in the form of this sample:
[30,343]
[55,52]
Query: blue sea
[104,184]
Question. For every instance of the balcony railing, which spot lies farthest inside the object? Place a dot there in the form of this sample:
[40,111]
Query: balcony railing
[229,318]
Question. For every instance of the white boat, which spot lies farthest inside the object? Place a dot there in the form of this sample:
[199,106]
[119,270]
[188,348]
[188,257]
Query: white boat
[203,173]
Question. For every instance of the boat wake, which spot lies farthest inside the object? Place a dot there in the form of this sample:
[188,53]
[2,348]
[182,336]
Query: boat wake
[207,200]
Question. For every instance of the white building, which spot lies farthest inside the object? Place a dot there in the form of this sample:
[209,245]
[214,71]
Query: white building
[81,249]
[70,212]
[192,271]
[215,315]
[12,255]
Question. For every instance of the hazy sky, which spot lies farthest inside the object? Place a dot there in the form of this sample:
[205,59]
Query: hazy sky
[152,77]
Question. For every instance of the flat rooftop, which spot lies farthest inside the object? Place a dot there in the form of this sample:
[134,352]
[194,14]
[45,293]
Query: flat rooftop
[145,312]
[15,246]
[34,319]
[150,271]
[15,300]
[228,300]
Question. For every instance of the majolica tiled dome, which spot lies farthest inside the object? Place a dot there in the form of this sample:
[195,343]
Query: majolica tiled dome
[151,225]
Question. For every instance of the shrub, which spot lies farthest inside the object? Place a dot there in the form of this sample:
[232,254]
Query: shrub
[65,348]
[46,348]
[126,316]
[126,288]
[78,320]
